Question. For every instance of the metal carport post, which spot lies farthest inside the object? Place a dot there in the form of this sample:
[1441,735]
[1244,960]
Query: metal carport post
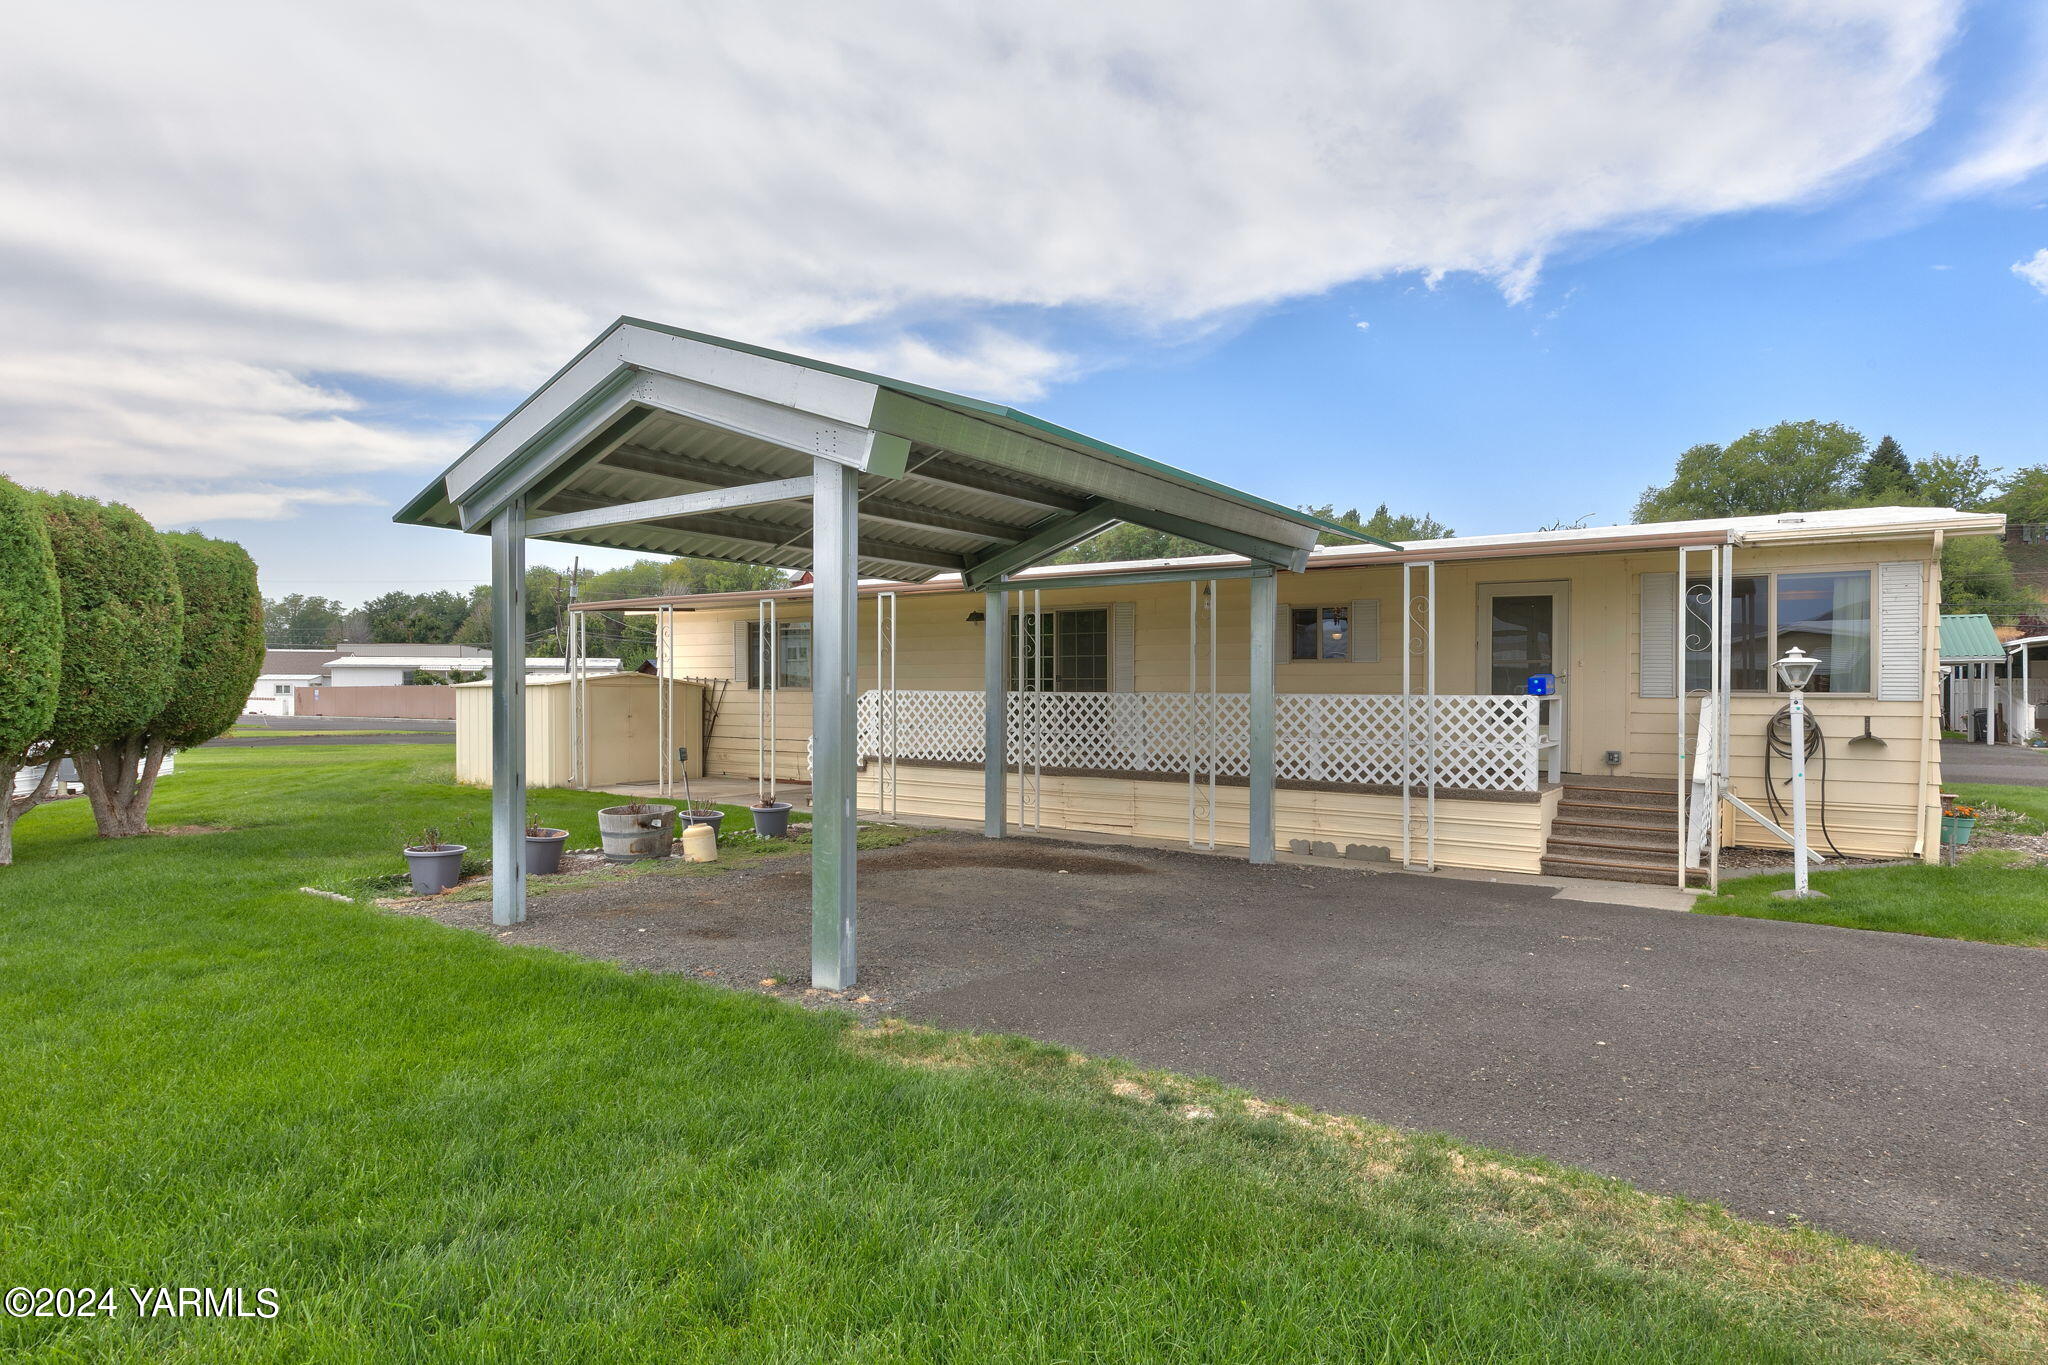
[1262,746]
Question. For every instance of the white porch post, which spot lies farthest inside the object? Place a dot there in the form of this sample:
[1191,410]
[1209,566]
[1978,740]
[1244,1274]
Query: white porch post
[1265,591]
[995,642]
[834,658]
[508,715]
[1990,704]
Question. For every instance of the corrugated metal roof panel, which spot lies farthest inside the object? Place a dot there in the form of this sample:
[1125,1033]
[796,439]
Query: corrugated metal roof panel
[1970,638]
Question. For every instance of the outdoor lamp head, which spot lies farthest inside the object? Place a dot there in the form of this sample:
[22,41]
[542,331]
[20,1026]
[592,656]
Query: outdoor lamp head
[1796,669]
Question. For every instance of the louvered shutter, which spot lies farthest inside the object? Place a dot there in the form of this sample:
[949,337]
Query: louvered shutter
[1656,669]
[1362,635]
[1901,633]
[1123,647]
[741,655]
[1283,636]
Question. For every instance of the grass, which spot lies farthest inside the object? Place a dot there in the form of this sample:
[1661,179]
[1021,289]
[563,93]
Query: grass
[438,1147]
[1984,897]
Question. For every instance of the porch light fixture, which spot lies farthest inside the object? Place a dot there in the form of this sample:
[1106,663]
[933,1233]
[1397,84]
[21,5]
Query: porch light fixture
[1796,670]
[975,618]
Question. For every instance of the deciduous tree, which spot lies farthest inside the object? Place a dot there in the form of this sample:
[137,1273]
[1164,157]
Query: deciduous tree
[1790,467]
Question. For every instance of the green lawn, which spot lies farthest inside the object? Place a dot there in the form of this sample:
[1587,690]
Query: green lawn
[1982,898]
[438,1147]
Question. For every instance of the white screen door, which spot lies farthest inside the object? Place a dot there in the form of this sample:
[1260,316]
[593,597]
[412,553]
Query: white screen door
[1524,630]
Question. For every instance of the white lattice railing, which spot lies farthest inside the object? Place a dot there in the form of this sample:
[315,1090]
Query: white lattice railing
[1480,743]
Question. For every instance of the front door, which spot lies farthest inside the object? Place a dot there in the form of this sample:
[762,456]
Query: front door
[1523,632]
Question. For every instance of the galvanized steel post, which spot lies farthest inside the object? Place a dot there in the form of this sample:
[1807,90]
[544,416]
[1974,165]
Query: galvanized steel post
[1265,592]
[508,715]
[995,707]
[835,663]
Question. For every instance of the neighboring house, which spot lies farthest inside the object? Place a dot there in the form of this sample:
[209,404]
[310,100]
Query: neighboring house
[1406,727]
[288,674]
[285,671]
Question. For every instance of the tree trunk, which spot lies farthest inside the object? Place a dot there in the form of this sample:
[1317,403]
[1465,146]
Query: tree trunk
[13,807]
[119,779]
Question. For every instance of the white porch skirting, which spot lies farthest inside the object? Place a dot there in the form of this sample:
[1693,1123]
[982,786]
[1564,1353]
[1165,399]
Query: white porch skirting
[1468,743]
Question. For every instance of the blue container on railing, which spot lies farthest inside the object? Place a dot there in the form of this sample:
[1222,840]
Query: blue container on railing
[1542,684]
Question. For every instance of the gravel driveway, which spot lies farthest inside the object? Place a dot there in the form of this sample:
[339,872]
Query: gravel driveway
[1887,1087]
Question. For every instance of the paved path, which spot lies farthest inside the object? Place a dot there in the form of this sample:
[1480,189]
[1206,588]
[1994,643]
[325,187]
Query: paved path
[1891,1088]
[2008,764]
[248,722]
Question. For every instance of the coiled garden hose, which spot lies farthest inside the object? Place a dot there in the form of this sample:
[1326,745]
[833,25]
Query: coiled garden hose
[1778,744]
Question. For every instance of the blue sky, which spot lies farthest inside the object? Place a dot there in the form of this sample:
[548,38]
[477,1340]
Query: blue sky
[1499,271]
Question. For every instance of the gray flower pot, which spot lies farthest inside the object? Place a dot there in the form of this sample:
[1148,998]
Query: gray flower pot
[713,818]
[544,852]
[772,821]
[434,870]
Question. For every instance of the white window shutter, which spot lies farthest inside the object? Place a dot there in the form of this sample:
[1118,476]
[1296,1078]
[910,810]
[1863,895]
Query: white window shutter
[1656,669]
[1362,636]
[1123,647]
[1901,634]
[740,652]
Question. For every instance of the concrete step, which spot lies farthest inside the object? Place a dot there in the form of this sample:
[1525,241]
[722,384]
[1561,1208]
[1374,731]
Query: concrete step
[1640,784]
[1619,797]
[1614,868]
[1662,838]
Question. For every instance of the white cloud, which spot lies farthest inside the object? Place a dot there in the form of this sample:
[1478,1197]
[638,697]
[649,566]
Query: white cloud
[2012,143]
[2034,270]
[231,215]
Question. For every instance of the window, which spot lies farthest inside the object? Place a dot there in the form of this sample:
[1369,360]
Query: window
[1320,632]
[1828,616]
[281,689]
[793,658]
[1825,614]
[1071,651]
[1749,634]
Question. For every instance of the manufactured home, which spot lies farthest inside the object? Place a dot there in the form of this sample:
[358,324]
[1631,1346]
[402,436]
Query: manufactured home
[1408,726]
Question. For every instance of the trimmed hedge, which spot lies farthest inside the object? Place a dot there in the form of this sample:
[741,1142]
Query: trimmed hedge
[223,643]
[31,624]
[123,621]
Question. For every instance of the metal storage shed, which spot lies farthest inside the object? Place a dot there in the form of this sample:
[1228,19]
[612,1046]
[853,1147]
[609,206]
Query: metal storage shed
[621,743]
[663,441]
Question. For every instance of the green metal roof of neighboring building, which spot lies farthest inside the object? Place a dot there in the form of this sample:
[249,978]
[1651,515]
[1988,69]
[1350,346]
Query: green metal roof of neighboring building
[1970,639]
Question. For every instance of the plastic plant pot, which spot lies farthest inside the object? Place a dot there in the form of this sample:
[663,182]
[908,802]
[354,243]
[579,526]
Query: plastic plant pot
[434,870]
[544,852]
[714,818]
[771,821]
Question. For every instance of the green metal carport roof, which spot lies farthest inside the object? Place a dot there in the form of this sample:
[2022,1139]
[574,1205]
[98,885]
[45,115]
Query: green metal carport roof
[1970,638]
[947,483]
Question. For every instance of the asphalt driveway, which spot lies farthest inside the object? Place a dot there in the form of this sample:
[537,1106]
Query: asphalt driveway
[1887,1087]
[2005,763]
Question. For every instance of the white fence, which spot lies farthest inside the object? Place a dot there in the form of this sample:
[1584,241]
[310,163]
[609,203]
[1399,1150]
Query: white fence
[1472,743]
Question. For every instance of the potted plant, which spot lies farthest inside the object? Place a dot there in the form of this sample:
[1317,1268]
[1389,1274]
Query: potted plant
[640,829]
[435,865]
[711,816]
[771,818]
[1956,823]
[544,850]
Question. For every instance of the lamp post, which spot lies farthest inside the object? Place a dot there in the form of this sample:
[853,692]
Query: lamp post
[1796,670]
